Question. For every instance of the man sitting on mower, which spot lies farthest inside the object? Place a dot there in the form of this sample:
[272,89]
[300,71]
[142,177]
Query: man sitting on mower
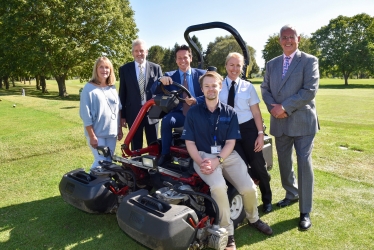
[210,130]
[189,78]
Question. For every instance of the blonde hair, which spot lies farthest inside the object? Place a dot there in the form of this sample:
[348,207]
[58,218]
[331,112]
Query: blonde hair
[111,80]
[235,55]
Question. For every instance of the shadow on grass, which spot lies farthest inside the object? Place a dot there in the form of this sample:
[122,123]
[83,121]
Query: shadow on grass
[33,92]
[349,86]
[53,224]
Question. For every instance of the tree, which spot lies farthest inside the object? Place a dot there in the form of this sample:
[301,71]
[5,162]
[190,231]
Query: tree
[156,54]
[195,57]
[218,50]
[62,38]
[273,49]
[346,45]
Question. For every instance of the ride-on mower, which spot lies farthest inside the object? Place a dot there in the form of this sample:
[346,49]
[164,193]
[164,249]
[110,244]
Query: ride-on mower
[161,207]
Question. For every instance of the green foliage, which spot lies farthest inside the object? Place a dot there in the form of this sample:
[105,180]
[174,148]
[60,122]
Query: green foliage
[195,57]
[62,38]
[345,45]
[156,54]
[42,139]
[217,52]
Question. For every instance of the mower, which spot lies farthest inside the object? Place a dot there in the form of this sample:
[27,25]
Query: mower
[161,207]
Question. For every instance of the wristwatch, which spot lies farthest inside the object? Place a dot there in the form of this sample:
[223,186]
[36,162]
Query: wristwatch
[220,159]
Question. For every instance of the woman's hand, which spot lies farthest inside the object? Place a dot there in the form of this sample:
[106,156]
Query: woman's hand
[259,143]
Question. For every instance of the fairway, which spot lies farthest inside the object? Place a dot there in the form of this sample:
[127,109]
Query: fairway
[41,138]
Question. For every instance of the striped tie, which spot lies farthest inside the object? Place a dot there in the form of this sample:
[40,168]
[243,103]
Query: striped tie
[285,65]
[141,80]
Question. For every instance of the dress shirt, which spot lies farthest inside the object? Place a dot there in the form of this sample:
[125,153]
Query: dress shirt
[291,57]
[245,97]
[189,81]
[137,76]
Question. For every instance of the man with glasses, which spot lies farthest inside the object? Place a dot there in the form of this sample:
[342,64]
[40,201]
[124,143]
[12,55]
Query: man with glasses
[188,77]
[288,90]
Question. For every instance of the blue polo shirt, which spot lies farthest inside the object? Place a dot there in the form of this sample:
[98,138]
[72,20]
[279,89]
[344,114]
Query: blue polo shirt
[203,126]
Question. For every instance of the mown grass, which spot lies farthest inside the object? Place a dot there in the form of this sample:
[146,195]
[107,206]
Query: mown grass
[42,138]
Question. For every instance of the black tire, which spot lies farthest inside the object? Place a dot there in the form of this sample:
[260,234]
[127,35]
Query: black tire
[236,206]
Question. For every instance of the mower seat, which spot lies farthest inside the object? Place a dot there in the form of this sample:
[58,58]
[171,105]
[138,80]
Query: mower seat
[179,130]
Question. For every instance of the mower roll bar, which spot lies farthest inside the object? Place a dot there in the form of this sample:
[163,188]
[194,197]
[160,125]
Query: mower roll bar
[212,25]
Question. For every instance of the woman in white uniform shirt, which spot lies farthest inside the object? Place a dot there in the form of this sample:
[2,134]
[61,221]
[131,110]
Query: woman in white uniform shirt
[250,122]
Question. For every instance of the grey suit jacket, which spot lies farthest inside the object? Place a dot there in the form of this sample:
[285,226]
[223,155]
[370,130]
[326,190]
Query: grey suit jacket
[296,92]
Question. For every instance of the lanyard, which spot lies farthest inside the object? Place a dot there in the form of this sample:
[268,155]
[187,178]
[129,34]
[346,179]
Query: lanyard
[215,130]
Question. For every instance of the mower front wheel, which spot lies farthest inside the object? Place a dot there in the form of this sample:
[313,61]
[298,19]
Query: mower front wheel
[236,206]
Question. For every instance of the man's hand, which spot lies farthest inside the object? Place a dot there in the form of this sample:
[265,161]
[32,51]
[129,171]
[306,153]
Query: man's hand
[190,101]
[166,80]
[208,165]
[278,111]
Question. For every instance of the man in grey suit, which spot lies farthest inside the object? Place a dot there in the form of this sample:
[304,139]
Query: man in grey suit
[136,79]
[288,90]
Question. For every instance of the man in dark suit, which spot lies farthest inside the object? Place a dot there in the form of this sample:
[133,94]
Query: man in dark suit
[189,77]
[136,80]
[288,90]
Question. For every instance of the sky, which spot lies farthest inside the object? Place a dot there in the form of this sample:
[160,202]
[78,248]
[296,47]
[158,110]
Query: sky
[163,22]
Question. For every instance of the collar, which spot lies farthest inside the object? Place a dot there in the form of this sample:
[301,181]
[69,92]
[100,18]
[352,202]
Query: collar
[219,106]
[143,64]
[181,72]
[292,55]
[229,81]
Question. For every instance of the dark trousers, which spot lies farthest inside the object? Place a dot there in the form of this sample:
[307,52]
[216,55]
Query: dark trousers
[245,148]
[150,134]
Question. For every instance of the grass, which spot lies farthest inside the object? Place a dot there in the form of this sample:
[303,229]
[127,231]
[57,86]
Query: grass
[42,138]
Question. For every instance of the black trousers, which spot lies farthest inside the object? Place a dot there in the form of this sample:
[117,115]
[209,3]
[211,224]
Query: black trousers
[245,148]
[150,134]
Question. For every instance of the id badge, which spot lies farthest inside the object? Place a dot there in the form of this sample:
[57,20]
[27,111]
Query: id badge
[215,149]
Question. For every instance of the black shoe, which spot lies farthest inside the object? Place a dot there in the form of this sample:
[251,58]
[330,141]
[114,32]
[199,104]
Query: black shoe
[262,227]
[267,208]
[163,159]
[286,202]
[230,243]
[305,222]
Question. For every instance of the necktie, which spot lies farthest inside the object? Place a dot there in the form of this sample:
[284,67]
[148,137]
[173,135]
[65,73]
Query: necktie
[141,80]
[186,107]
[285,65]
[230,99]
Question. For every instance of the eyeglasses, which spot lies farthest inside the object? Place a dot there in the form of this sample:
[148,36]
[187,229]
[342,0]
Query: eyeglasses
[286,37]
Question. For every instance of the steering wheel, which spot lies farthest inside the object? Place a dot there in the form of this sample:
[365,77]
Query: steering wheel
[176,93]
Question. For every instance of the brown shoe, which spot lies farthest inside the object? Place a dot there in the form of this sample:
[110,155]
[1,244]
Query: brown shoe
[262,227]
[230,243]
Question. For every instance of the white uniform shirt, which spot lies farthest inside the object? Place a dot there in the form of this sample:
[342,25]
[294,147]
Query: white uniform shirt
[245,97]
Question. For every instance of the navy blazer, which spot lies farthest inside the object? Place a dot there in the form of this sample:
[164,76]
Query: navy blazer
[129,91]
[175,76]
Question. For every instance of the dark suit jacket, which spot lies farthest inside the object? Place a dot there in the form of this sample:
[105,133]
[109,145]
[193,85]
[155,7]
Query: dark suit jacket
[296,92]
[175,76]
[129,91]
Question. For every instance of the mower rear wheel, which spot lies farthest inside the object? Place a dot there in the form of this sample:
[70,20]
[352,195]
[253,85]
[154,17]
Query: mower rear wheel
[236,206]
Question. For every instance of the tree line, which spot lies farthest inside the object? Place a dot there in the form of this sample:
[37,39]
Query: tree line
[57,39]
[344,47]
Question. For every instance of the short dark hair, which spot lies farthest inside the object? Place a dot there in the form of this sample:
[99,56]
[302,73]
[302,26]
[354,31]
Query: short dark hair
[183,47]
